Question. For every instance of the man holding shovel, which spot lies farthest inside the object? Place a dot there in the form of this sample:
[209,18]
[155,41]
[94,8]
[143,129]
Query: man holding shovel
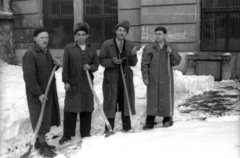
[37,65]
[157,60]
[78,57]
[114,53]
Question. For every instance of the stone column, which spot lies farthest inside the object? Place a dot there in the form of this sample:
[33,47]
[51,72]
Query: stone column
[226,66]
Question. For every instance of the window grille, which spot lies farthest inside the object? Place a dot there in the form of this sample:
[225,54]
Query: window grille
[102,17]
[220,23]
[58,18]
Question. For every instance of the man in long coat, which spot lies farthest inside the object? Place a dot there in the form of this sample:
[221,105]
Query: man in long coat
[115,52]
[157,60]
[37,67]
[78,57]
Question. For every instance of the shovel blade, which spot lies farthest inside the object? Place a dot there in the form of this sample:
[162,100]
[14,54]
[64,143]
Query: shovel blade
[108,134]
[27,154]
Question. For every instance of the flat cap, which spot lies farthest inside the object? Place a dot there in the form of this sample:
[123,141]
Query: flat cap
[39,30]
[160,28]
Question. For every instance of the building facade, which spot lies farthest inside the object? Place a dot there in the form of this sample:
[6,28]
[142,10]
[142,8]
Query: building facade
[6,32]
[206,32]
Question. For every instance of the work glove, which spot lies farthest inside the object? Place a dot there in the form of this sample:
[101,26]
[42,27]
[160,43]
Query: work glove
[57,62]
[117,61]
[42,97]
[146,82]
[86,67]
[67,87]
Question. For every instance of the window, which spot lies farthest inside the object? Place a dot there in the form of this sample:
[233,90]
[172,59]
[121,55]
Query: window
[220,25]
[58,18]
[102,17]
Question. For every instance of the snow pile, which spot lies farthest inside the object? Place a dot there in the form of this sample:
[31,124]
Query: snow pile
[191,85]
[14,116]
[15,126]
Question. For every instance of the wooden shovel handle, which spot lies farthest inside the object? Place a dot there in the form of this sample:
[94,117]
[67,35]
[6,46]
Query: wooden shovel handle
[43,105]
[127,95]
[98,102]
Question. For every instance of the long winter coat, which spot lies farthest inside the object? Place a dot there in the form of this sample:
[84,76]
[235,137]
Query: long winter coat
[110,80]
[156,66]
[80,98]
[37,67]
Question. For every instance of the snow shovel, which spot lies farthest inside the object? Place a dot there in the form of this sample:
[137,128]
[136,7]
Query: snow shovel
[127,96]
[110,132]
[26,155]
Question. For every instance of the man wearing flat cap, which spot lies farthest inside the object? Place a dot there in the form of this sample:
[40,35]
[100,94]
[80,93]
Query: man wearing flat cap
[114,53]
[78,57]
[37,65]
[158,58]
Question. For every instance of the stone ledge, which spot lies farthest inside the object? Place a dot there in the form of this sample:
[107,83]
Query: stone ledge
[208,57]
[6,15]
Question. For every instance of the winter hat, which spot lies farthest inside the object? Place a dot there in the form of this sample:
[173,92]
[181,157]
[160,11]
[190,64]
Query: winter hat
[160,28]
[124,24]
[39,30]
[81,26]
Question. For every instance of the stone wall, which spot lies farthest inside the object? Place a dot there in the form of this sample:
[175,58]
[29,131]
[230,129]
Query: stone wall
[6,32]
[6,41]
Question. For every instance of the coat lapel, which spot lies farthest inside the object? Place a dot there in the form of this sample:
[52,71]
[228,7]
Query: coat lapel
[156,46]
[115,54]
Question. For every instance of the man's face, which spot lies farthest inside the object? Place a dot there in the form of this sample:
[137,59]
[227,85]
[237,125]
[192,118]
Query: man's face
[160,36]
[81,37]
[42,39]
[121,33]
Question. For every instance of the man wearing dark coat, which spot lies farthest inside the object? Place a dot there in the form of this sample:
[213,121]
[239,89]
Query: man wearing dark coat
[157,60]
[115,52]
[37,65]
[78,57]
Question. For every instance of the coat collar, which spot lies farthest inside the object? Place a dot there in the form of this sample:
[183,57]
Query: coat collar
[155,44]
[75,44]
[112,42]
[37,47]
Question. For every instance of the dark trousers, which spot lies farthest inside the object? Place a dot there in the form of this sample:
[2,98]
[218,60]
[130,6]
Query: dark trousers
[125,119]
[150,120]
[70,120]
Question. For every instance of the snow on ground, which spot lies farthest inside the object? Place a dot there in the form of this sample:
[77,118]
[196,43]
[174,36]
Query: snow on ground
[213,137]
[196,139]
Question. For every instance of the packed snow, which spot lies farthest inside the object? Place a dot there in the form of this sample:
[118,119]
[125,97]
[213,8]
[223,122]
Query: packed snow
[190,136]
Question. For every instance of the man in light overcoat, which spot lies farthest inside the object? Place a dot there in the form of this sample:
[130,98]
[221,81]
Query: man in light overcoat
[158,58]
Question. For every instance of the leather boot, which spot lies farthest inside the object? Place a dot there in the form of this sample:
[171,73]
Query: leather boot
[64,139]
[37,145]
[149,122]
[45,151]
[148,126]
[126,123]
[167,121]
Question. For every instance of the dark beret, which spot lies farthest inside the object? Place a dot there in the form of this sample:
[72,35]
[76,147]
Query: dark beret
[39,30]
[81,26]
[124,24]
[160,28]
